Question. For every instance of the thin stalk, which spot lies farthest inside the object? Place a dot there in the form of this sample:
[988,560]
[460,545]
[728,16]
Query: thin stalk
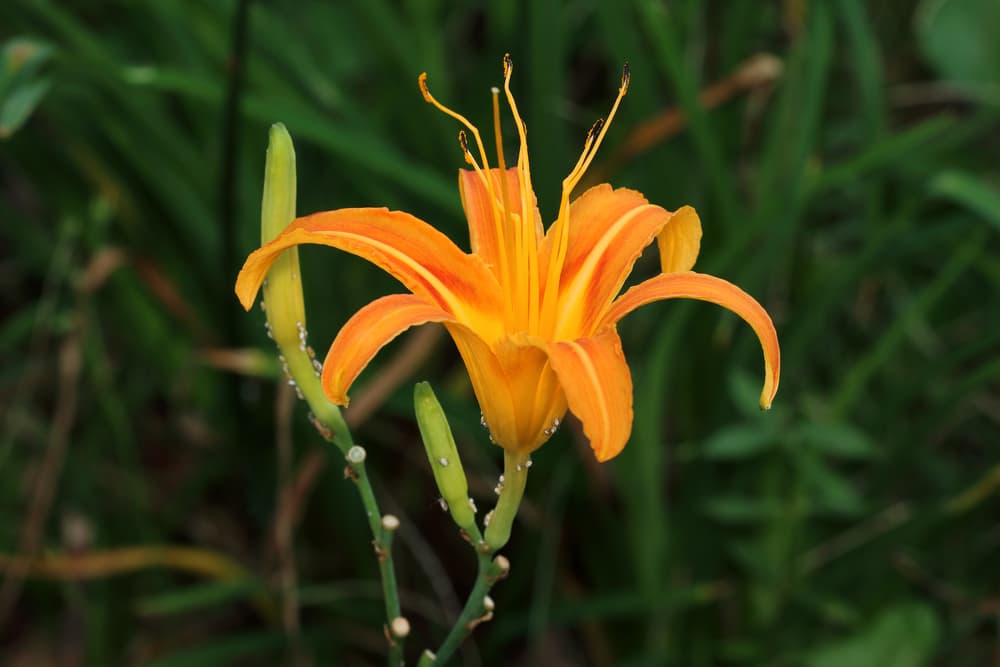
[329,421]
[478,608]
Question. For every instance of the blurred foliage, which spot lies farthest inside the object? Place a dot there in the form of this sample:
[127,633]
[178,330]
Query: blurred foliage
[857,195]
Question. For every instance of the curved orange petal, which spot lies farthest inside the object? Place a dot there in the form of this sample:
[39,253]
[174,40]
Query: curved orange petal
[367,332]
[598,387]
[416,254]
[608,231]
[680,241]
[690,285]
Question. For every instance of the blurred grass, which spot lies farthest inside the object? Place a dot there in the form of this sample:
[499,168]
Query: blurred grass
[857,196]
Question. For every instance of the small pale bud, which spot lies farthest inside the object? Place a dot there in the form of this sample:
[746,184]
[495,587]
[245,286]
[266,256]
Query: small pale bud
[390,522]
[488,603]
[400,627]
[357,454]
[502,563]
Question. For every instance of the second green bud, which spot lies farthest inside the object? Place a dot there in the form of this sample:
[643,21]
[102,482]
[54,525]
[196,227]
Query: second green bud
[443,457]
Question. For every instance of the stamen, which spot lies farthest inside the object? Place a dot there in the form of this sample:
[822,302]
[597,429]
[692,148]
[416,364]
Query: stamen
[463,141]
[484,173]
[593,141]
[526,236]
[594,130]
[422,81]
[499,140]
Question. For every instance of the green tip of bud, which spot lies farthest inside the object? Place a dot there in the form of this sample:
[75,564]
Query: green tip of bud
[282,292]
[439,443]
[278,206]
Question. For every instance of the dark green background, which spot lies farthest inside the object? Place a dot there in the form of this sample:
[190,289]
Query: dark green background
[858,198]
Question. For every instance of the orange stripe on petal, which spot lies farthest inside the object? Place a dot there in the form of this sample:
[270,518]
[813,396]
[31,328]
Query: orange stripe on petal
[598,387]
[367,332]
[690,285]
[608,231]
[416,254]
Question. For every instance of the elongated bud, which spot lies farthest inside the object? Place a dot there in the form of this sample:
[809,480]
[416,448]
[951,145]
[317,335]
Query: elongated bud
[285,308]
[443,457]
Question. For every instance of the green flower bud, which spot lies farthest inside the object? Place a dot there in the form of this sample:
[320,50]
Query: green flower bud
[286,312]
[443,457]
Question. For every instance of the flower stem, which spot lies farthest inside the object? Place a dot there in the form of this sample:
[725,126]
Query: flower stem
[478,608]
[515,476]
[329,421]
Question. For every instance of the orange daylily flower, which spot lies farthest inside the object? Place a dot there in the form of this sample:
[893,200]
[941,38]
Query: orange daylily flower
[532,311]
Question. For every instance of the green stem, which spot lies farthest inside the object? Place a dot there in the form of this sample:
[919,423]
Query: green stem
[515,476]
[476,609]
[329,421]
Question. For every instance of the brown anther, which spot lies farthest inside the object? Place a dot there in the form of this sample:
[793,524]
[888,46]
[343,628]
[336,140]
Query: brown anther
[463,141]
[464,535]
[422,81]
[380,552]
[626,77]
[388,636]
[350,474]
[594,130]
[508,65]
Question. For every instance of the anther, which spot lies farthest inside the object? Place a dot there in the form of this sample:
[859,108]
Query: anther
[508,65]
[626,77]
[594,130]
[422,81]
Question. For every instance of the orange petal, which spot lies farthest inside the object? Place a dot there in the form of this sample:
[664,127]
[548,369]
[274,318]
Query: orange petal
[680,240]
[416,254]
[598,387]
[608,231]
[536,394]
[367,332]
[690,285]
[489,382]
[479,211]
